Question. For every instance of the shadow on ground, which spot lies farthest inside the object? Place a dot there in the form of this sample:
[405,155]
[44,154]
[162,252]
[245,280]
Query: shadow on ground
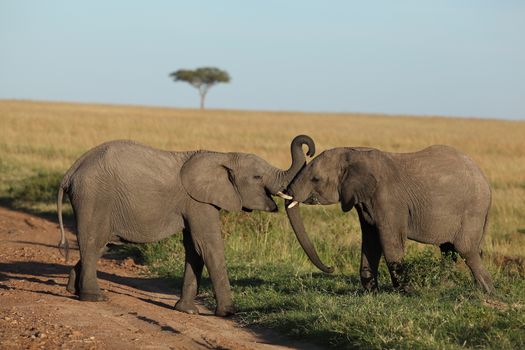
[45,278]
[51,216]
[49,270]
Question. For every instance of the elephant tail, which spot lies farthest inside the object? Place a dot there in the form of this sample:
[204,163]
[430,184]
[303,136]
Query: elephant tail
[485,227]
[485,224]
[63,245]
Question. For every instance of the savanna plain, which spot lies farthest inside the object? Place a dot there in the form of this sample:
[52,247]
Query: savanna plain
[274,284]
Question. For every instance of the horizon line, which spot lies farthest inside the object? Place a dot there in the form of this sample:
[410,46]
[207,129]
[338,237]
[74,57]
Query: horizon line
[289,111]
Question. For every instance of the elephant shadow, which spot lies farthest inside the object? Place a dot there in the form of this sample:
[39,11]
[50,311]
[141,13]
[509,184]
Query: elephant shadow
[46,274]
[49,215]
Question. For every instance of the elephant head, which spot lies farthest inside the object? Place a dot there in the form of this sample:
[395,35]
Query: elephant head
[235,181]
[342,175]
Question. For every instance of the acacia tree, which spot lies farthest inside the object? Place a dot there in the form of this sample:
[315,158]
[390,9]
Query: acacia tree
[201,78]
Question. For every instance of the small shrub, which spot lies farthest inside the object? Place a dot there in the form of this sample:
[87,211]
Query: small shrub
[425,269]
[39,188]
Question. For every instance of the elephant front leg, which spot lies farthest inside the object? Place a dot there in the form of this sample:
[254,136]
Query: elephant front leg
[206,237]
[370,256]
[393,246]
[192,276]
[397,275]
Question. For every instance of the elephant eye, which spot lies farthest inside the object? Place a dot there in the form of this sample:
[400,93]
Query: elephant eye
[315,179]
[257,177]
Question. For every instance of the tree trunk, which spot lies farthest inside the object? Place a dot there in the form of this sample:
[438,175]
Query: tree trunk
[203,95]
[203,90]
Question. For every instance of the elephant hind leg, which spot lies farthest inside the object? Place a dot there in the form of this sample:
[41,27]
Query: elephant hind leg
[89,289]
[467,244]
[73,284]
[481,275]
[92,242]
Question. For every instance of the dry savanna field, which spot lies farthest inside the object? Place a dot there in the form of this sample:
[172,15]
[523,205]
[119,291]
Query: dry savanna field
[49,136]
[45,138]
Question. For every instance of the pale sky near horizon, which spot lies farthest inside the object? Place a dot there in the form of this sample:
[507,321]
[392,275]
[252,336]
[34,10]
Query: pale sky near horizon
[452,58]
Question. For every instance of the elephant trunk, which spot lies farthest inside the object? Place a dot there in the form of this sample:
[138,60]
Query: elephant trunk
[298,227]
[284,177]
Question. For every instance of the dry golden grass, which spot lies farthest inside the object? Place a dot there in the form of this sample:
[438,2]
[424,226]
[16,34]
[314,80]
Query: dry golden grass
[41,135]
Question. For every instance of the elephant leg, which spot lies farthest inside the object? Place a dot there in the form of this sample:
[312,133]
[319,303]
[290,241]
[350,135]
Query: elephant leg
[468,249]
[93,235]
[479,272]
[89,289]
[370,256]
[192,276]
[73,284]
[393,246]
[204,222]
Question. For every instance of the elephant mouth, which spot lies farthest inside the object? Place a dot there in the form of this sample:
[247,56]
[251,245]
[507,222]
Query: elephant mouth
[267,205]
[312,200]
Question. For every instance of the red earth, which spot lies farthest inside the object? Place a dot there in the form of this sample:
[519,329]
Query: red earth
[36,311]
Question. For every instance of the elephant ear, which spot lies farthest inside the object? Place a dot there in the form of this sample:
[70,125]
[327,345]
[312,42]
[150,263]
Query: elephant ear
[207,179]
[357,184]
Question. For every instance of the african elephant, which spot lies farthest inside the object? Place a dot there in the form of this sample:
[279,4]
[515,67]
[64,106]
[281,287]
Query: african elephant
[437,196]
[123,190]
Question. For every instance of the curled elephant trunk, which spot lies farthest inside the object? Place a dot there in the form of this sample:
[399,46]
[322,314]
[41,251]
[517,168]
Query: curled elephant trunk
[298,227]
[282,178]
[298,158]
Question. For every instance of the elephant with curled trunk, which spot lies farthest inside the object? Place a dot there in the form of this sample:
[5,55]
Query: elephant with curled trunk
[437,196]
[122,190]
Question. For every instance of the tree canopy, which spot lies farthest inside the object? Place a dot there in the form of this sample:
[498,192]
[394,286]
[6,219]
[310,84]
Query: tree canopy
[201,78]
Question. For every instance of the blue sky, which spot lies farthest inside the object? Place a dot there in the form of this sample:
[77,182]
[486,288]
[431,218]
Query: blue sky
[456,58]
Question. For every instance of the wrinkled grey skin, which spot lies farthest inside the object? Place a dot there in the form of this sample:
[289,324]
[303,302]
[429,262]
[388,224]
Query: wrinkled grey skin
[122,190]
[437,196]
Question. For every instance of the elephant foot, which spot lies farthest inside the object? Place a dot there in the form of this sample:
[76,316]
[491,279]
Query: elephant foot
[369,284]
[405,290]
[372,290]
[72,289]
[73,283]
[397,275]
[225,311]
[84,296]
[187,307]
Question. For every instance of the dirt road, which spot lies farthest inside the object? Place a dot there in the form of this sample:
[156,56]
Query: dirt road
[36,311]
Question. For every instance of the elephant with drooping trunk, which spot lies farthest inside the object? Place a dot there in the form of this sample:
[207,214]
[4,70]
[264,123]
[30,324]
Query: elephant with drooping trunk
[123,190]
[436,196]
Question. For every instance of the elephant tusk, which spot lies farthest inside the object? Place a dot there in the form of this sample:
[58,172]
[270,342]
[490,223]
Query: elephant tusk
[285,196]
[293,204]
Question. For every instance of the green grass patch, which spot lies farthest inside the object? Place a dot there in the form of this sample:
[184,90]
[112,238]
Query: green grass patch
[41,188]
[444,309]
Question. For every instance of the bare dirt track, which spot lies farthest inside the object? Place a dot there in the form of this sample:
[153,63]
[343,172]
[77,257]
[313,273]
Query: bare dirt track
[36,311]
